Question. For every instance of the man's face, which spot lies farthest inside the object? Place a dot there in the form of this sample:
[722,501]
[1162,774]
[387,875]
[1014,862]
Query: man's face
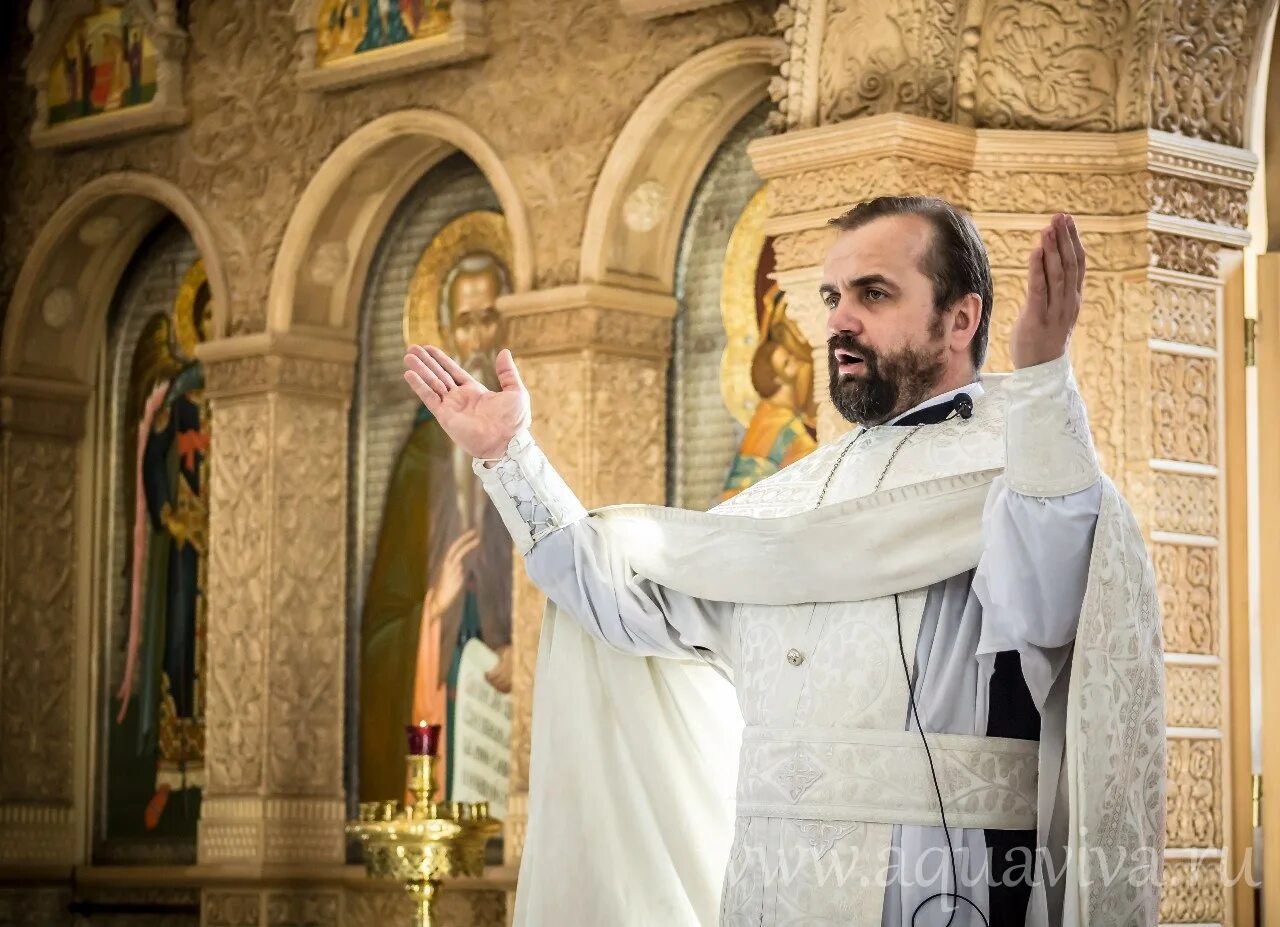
[885,343]
[473,298]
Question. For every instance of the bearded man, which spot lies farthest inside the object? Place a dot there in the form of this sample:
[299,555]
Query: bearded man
[940,628]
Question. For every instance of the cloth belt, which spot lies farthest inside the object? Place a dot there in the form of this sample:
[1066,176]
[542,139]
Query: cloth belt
[876,776]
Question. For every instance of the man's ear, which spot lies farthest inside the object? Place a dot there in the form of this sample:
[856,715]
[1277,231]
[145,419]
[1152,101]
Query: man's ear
[966,313]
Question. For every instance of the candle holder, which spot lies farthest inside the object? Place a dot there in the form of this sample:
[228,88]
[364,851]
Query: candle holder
[426,842]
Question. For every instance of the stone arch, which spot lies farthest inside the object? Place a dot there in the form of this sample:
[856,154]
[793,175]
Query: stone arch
[58,312]
[1263,130]
[638,207]
[324,258]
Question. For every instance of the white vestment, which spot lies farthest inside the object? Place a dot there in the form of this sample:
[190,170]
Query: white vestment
[632,802]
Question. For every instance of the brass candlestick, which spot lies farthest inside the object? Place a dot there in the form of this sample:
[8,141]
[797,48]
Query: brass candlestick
[424,843]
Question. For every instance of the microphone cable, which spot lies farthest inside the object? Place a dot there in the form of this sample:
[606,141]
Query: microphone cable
[951,850]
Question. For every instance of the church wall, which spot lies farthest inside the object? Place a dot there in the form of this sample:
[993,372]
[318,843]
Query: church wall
[557,85]
[704,435]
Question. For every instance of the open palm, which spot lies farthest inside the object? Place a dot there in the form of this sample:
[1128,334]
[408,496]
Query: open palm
[1055,294]
[481,421]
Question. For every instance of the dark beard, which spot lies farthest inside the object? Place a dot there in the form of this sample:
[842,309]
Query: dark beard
[890,384]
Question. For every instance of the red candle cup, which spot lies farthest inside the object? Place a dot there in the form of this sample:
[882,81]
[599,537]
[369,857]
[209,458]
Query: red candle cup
[424,739]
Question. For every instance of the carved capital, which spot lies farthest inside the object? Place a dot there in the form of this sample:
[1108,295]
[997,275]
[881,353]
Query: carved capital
[43,407]
[585,317]
[250,365]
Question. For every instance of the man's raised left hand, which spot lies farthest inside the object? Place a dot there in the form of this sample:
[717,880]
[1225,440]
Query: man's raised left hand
[1055,288]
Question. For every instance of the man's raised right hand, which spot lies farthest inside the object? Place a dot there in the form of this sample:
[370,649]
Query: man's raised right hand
[480,421]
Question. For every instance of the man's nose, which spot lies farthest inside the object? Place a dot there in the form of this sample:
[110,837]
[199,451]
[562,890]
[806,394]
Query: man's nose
[844,317]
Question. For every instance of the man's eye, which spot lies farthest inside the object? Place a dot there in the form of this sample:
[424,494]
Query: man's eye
[832,301]
[875,295]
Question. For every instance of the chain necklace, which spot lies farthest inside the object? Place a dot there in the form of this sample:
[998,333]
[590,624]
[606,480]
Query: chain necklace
[880,479]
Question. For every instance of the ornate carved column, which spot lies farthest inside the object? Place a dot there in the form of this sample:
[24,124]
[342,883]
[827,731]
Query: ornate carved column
[1154,210]
[595,361]
[277,576]
[44,626]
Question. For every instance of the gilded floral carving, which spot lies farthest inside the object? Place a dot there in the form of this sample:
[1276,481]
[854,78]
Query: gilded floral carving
[1054,65]
[1087,192]
[1195,199]
[1193,892]
[1184,408]
[240,591]
[1181,252]
[1193,802]
[578,328]
[1188,578]
[844,186]
[893,57]
[1185,314]
[307,597]
[39,538]
[1204,56]
[1193,696]
[1186,504]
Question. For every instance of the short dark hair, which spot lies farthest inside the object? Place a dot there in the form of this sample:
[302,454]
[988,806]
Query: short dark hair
[957,263]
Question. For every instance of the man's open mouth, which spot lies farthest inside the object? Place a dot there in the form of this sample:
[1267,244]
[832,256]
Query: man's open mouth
[848,361]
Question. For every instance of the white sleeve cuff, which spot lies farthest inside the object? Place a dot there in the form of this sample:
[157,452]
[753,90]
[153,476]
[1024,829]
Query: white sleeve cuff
[1048,447]
[529,494]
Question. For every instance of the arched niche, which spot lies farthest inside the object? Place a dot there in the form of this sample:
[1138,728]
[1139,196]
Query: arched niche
[58,313]
[324,258]
[640,200]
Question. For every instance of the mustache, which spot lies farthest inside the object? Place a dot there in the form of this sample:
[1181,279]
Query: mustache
[845,341]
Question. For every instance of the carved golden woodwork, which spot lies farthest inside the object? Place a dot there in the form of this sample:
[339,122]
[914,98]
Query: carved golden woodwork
[1192,892]
[42,635]
[1194,802]
[1008,64]
[276,601]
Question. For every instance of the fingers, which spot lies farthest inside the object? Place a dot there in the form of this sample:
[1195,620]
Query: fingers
[1067,253]
[1053,267]
[430,396]
[432,363]
[424,381]
[1037,285]
[1078,246]
[449,366]
[508,376]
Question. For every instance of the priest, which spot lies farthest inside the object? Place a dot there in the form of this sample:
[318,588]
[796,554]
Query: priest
[932,645]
